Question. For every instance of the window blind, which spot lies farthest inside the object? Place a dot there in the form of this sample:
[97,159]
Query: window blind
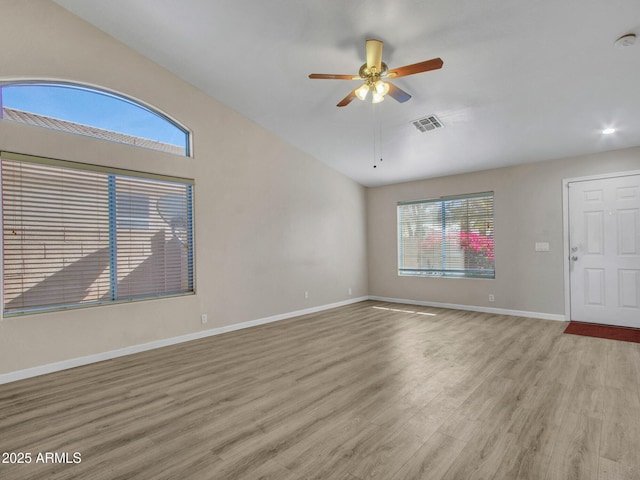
[75,236]
[450,237]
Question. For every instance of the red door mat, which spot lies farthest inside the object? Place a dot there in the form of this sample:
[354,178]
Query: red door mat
[624,334]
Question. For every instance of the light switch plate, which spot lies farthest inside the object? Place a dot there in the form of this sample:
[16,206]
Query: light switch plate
[542,246]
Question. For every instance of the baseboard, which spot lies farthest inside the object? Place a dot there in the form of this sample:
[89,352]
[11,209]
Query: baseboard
[100,357]
[498,311]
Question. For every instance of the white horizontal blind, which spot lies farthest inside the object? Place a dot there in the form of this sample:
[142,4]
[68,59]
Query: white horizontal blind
[56,236]
[73,236]
[451,236]
[151,237]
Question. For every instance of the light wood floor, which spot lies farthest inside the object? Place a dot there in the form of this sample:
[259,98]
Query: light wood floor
[352,393]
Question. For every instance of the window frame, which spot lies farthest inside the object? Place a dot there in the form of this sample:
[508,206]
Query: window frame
[469,273]
[111,173]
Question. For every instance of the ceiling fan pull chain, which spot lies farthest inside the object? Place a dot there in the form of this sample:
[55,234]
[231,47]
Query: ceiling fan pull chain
[377,136]
[380,137]
[373,106]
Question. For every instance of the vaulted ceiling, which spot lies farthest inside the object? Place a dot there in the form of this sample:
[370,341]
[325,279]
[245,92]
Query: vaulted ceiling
[522,81]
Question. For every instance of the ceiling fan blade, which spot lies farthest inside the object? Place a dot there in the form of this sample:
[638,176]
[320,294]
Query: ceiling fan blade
[374,54]
[397,93]
[329,76]
[347,100]
[427,65]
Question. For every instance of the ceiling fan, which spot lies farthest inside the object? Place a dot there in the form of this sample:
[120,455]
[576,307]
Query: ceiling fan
[375,71]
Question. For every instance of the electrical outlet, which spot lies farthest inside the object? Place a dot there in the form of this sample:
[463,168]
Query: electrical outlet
[306,294]
[492,298]
[349,291]
[204,318]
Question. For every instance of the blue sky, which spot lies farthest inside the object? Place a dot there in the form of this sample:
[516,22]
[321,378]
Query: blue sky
[93,108]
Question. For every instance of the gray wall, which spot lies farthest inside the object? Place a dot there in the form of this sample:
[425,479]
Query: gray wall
[528,209]
[266,214]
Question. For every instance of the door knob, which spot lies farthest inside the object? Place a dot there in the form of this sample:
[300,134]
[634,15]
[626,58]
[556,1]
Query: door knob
[574,258]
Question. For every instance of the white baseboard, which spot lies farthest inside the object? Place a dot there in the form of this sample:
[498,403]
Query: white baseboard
[99,357]
[498,311]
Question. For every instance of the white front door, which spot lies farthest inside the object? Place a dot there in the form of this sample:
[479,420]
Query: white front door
[604,249]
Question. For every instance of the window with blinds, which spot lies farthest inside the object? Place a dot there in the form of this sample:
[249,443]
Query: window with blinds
[74,234]
[447,237]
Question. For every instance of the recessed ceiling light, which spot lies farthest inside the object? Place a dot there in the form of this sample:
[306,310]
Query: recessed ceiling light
[608,131]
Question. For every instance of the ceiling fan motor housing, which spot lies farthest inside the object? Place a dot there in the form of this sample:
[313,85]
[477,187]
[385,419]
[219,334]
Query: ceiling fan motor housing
[371,75]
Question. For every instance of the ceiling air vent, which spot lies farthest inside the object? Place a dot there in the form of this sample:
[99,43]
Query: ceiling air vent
[427,123]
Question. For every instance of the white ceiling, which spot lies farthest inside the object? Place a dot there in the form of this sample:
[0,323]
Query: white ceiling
[522,81]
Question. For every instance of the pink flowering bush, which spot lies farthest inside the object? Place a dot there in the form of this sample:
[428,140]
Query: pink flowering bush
[477,244]
[478,249]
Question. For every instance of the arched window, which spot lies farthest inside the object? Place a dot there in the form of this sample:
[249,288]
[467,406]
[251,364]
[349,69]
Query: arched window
[92,112]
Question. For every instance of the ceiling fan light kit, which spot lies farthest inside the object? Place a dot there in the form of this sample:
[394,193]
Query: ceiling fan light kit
[378,90]
[373,73]
[361,91]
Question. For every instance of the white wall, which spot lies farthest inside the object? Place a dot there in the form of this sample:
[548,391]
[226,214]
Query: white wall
[270,221]
[528,209]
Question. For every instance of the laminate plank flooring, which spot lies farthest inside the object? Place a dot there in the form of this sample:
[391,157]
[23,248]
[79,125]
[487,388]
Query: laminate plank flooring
[367,391]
